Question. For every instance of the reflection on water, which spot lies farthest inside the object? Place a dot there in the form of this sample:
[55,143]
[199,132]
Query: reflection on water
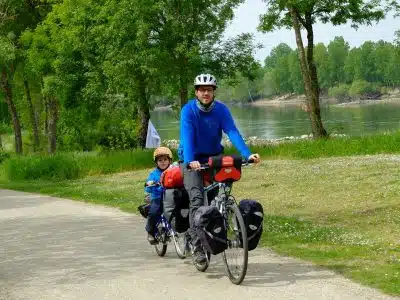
[278,122]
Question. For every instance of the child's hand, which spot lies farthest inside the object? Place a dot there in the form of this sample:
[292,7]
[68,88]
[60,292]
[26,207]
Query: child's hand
[150,182]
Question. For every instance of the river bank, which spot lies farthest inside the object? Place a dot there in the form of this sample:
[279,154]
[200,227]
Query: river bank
[392,97]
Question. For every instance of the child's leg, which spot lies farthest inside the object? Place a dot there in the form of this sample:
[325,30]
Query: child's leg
[154,214]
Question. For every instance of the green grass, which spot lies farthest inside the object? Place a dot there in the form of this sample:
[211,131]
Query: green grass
[341,213]
[72,165]
[347,146]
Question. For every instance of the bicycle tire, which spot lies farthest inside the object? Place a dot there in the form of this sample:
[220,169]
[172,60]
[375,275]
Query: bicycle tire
[180,244]
[239,242]
[161,246]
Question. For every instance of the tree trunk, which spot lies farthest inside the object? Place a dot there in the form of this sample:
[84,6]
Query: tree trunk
[5,85]
[53,118]
[310,79]
[33,118]
[143,112]
[315,112]
[46,116]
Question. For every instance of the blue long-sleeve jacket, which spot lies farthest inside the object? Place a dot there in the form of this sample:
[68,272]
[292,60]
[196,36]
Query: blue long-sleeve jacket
[154,191]
[201,132]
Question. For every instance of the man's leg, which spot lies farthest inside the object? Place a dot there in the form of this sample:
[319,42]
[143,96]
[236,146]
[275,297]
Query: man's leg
[193,182]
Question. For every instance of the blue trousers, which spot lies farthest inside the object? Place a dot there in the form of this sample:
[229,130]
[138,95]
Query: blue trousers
[154,214]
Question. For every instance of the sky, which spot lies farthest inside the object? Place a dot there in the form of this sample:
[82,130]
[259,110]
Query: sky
[247,19]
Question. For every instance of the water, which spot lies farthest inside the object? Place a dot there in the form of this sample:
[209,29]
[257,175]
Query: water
[278,122]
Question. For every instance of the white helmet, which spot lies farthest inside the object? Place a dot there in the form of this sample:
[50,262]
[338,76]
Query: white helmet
[205,79]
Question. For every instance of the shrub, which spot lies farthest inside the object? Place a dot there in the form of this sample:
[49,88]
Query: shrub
[340,92]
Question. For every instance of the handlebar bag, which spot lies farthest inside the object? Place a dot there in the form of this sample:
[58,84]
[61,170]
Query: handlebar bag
[225,168]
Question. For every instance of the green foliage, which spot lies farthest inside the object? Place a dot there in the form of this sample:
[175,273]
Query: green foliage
[3,156]
[362,88]
[58,167]
[340,92]
[72,165]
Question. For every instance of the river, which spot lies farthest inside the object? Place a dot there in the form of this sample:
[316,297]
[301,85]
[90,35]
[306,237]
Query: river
[273,122]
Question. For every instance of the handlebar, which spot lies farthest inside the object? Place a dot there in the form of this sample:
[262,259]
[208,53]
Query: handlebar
[207,166]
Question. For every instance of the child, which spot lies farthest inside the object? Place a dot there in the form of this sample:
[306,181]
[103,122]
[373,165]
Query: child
[162,157]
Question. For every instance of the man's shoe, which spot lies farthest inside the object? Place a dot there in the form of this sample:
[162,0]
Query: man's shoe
[199,256]
[151,239]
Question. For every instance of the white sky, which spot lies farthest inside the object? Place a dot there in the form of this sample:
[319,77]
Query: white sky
[247,19]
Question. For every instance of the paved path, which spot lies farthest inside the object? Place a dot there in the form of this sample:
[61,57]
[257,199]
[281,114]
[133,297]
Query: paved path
[61,249]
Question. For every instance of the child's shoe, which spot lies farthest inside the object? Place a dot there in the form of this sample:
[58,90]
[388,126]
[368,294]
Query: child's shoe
[151,239]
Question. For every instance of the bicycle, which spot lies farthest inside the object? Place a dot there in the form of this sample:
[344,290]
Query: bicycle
[235,226]
[164,231]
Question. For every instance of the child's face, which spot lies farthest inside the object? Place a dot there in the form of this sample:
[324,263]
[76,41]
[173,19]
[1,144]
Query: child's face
[163,162]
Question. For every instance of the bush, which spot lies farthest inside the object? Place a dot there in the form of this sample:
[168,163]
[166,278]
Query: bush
[57,167]
[3,156]
[340,92]
[364,90]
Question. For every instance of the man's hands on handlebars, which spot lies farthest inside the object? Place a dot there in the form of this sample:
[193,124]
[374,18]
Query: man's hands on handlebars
[255,158]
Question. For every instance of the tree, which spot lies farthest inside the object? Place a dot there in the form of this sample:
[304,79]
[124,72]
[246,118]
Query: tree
[190,33]
[15,17]
[337,53]
[322,63]
[298,14]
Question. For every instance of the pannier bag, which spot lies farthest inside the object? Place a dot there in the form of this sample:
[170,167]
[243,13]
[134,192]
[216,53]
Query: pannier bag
[144,210]
[225,168]
[253,215]
[172,178]
[176,203]
[209,224]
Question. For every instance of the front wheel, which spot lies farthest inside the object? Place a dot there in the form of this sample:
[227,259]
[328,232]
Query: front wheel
[180,244]
[235,257]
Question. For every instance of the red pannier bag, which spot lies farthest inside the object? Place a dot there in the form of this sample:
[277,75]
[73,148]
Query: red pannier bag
[225,168]
[172,178]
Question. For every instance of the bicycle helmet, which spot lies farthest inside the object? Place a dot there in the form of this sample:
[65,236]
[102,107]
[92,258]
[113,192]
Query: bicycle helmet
[160,151]
[205,79]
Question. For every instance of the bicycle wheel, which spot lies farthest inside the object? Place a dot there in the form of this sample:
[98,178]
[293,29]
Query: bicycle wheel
[235,257]
[180,244]
[162,240]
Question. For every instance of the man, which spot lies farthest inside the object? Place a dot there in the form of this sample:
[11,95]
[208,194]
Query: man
[203,119]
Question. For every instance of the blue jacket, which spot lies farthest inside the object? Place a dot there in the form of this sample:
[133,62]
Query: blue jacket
[201,132]
[154,191]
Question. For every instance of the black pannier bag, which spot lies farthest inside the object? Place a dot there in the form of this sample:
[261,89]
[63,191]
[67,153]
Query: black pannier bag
[209,224]
[176,204]
[144,210]
[253,215]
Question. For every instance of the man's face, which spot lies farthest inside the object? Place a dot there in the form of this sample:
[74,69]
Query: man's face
[205,94]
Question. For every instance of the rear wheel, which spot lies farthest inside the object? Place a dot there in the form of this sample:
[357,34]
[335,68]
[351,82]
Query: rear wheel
[235,257]
[162,240]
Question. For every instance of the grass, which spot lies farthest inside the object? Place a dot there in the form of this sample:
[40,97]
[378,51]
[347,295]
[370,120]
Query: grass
[342,213]
[72,165]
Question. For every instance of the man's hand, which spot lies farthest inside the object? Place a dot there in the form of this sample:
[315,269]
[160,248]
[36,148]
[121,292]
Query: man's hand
[255,158]
[194,165]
